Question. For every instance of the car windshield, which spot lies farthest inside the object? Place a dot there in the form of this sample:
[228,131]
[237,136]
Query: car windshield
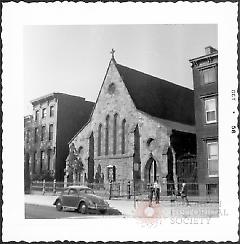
[87,191]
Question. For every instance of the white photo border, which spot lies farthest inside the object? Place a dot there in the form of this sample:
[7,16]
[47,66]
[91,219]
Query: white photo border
[17,15]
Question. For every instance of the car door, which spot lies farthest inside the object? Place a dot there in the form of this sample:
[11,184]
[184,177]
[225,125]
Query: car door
[71,199]
[64,197]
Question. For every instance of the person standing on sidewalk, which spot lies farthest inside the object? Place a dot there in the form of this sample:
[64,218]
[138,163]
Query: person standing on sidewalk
[183,193]
[157,190]
[151,190]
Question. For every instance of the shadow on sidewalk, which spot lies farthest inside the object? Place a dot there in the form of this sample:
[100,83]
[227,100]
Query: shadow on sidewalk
[110,211]
[113,211]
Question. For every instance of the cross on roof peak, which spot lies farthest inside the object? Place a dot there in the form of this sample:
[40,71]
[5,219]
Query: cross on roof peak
[112,52]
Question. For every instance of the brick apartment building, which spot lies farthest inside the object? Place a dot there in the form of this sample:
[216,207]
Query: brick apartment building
[205,78]
[56,118]
[27,149]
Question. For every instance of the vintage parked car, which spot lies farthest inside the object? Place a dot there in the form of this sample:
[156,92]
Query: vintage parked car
[80,198]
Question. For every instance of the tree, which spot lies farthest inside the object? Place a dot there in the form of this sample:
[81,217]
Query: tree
[74,163]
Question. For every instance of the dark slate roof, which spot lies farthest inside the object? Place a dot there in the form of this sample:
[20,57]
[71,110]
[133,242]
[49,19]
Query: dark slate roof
[158,97]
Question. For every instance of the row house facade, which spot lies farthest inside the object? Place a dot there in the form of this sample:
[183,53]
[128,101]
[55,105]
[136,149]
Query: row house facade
[56,118]
[205,78]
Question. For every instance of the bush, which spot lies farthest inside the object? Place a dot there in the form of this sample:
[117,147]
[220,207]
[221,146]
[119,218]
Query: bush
[46,175]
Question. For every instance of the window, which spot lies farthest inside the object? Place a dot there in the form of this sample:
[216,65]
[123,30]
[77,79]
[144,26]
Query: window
[136,156]
[36,135]
[87,191]
[51,132]
[211,110]
[212,156]
[34,162]
[80,149]
[42,157]
[111,173]
[27,136]
[43,134]
[49,159]
[44,113]
[107,135]
[72,192]
[209,75]
[99,139]
[114,173]
[115,134]
[37,115]
[123,135]
[51,111]
[111,88]
[149,141]
[212,189]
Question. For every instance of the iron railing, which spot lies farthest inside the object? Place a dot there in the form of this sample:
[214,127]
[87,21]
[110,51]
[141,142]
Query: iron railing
[130,189]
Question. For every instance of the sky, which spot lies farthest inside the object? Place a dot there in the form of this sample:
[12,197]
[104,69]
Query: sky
[73,59]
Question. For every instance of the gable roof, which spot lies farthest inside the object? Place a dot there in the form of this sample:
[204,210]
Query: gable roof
[159,97]
[90,117]
[154,96]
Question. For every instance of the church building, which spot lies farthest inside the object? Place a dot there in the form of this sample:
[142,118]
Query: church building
[139,127]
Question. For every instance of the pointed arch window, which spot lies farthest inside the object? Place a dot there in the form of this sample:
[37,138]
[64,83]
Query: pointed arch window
[123,136]
[80,149]
[107,136]
[115,134]
[99,139]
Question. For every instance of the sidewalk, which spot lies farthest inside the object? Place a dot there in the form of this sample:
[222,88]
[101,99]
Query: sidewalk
[37,199]
[127,208]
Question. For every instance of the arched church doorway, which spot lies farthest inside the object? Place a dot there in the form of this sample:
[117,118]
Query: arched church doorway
[150,173]
[91,159]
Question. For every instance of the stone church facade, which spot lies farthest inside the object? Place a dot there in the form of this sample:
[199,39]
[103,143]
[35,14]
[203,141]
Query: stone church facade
[132,125]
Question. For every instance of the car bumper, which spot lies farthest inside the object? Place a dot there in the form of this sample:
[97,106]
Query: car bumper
[98,207]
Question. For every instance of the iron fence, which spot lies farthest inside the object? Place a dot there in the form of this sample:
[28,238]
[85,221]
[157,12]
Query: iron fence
[130,190]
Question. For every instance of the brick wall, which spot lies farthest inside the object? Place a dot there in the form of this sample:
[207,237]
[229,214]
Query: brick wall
[204,131]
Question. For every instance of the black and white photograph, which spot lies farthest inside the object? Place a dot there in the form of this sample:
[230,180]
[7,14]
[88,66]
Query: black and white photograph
[137,141]
[122,124]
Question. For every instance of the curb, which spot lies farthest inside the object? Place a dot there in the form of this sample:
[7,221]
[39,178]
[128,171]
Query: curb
[164,198]
[39,204]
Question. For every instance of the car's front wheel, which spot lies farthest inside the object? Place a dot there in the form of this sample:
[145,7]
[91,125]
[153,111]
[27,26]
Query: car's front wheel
[59,205]
[83,208]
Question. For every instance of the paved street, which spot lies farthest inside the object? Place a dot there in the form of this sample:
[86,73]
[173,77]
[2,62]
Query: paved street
[33,211]
[41,206]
